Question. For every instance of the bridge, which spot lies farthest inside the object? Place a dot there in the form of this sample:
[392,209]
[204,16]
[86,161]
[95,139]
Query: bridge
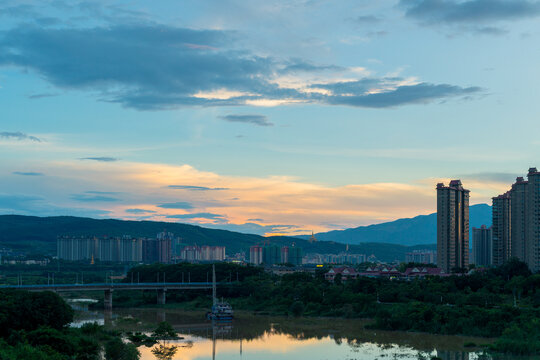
[108,288]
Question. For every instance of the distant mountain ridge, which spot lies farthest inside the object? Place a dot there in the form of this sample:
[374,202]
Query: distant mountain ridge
[32,234]
[418,230]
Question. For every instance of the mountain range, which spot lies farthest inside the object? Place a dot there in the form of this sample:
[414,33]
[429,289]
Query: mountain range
[411,231]
[32,234]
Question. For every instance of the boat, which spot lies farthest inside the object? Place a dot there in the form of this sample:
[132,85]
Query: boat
[221,310]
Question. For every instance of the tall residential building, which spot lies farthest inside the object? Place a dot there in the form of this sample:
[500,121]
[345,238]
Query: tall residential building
[164,250]
[284,255]
[518,219]
[150,251]
[271,255]
[295,255]
[124,249]
[532,241]
[256,255]
[212,253]
[516,222]
[421,257]
[193,253]
[452,226]
[501,229]
[482,241]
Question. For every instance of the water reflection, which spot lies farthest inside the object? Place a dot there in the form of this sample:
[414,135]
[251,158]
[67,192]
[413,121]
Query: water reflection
[453,355]
[260,338]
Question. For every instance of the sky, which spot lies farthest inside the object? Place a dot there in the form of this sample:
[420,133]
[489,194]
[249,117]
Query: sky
[263,116]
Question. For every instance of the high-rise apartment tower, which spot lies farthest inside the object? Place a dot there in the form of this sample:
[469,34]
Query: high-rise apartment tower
[482,243]
[452,226]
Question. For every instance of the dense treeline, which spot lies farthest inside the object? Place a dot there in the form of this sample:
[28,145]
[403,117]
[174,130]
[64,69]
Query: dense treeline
[34,326]
[60,272]
[503,302]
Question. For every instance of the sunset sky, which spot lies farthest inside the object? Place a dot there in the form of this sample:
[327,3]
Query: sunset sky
[263,116]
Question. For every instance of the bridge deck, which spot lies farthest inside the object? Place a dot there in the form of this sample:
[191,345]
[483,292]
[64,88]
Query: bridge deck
[114,286]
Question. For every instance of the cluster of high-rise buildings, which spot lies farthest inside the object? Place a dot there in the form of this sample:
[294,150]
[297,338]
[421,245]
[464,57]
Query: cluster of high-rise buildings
[516,222]
[272,254]
[115,249]
[194,253]
[515,230]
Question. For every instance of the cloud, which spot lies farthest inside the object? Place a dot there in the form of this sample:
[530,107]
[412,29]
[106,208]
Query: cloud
[23,10]
[90,197]
[260,120]
[367,20]
[469,11]
[195,188]
[41,96]
[281,201]
[102,192]
[38,206]
[100,158]
[379,33]
[139,211]
[18,136]
[158,67]
[30,173]
[253,228]
[203,215]
[497,177]
[18,203]
[176,205]
[490,30]
[406,94]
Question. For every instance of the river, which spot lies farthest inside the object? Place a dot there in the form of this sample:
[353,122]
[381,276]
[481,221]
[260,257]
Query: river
[251,337]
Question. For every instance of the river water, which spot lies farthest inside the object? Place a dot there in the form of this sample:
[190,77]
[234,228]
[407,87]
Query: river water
[251,337]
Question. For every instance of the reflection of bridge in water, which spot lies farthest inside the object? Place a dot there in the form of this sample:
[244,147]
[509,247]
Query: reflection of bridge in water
[108,288]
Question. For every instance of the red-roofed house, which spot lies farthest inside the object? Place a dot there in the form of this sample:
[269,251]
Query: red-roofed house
[423,271]
[380,271]
[345,271]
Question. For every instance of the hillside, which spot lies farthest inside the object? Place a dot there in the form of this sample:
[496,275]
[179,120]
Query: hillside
[33,234]
[412,231]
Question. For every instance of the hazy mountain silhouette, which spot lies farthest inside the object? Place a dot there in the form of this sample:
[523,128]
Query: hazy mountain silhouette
[411,231]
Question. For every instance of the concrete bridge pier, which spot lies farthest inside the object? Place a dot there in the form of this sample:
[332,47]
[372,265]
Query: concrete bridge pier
[107,317]
[107,301]
[161,296]
[161,315]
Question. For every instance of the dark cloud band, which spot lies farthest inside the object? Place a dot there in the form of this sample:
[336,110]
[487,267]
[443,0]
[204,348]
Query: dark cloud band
[157,67]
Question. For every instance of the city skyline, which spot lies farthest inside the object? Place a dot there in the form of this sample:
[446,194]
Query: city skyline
[262,117]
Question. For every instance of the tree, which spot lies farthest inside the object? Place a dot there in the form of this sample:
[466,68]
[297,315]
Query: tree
[297,308]
[116,349]
[164,330]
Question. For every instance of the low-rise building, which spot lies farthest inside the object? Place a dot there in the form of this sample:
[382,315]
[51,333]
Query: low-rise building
[347,273]
[416,272]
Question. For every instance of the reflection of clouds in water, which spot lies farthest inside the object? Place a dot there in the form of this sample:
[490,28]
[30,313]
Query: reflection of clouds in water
[267,345]
[272,345]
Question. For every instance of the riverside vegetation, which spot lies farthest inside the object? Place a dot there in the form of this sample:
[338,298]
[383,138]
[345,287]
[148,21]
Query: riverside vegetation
[503,302]
[35,326]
